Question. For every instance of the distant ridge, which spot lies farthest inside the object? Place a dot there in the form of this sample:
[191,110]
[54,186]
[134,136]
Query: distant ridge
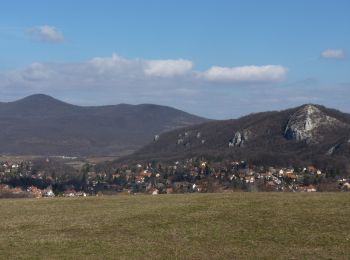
[42,125]
[309,134]
[40,98]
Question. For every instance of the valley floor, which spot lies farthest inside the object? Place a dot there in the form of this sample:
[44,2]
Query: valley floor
[191,226]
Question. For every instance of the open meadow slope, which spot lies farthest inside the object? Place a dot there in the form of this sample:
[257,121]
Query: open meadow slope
[200,226]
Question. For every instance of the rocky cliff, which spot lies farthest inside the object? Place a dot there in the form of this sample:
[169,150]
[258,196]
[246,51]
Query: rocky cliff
[309,134]
[304,124]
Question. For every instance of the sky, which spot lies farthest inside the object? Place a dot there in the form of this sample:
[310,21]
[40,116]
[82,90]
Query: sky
[218,59]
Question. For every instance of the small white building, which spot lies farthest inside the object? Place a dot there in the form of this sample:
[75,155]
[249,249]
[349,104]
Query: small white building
[48,193]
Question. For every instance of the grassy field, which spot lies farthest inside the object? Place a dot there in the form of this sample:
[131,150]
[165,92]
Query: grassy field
[199,226]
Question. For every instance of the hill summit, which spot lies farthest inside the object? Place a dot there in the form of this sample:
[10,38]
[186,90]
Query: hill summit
[298,136]
[303,125]
[42,125]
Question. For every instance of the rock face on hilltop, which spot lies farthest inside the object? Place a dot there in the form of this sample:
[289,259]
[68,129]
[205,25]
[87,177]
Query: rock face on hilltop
[303,125]
[309,134]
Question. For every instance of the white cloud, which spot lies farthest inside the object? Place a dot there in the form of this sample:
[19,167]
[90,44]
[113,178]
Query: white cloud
[246,74]
[36,71]
[114,64]
[46,33]
[115,71]
[116,79]
[117,65]
[167,68]
[337,54]
[110,62]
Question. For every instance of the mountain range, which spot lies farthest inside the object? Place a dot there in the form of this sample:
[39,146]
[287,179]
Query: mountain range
[42,125]
[308,134]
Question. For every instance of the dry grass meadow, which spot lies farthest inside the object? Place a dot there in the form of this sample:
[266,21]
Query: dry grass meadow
[198,226]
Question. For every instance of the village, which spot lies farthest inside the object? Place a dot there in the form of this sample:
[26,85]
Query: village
[26,179]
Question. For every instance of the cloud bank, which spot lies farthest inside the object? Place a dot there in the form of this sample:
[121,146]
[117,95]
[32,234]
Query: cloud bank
[46,33]
[128,72]
[248,74]
[167,68]
[337,54]
[115,79]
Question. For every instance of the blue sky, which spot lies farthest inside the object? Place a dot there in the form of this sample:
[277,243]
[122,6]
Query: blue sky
[219,59]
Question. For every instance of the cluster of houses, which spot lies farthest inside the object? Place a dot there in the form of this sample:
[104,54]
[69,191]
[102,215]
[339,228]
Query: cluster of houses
[6,191]
[187,176]
[10,168]
[202,176]
[17,178]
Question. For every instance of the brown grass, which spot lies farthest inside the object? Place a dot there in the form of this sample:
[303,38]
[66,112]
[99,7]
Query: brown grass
[199,226]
